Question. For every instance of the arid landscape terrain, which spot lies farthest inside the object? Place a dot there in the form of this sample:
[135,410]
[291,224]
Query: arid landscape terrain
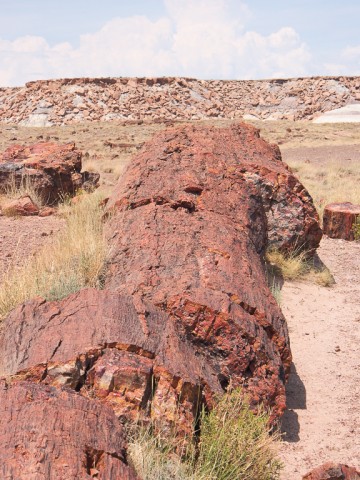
[321,420]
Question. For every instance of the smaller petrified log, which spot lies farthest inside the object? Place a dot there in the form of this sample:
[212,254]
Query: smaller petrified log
[332,471]
[23,206]
[50,433]
[339,219]
[52,169]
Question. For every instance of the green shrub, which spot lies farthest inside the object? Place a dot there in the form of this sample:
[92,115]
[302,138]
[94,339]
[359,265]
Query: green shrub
[235,444]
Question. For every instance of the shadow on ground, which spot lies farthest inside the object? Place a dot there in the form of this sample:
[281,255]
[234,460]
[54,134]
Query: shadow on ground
[295,400]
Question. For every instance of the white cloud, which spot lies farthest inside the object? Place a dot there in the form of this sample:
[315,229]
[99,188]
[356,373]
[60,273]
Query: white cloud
[351,55]
[205,39]
[348,62]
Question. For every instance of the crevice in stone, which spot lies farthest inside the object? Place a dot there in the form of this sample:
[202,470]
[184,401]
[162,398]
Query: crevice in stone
[248,308]
[93,461]
[56,349]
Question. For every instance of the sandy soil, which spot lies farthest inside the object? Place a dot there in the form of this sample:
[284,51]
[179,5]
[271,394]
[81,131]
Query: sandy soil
[21,237]
[323,394]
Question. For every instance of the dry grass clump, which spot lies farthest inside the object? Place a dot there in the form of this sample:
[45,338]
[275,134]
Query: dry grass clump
[235,443]
[26,187]
[356,228]
[154,459]
[329,183]
[292,265]
[74,259]
[297,265]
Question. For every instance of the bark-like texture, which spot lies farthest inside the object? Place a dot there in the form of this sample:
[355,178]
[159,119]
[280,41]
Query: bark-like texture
[339,219]
[332,471]
[54,170]
[50,434]
[186,309]
[120,350]
[191,220]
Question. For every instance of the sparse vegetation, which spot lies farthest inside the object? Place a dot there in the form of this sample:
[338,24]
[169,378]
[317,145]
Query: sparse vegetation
[297,265]
[26,187]
[275,288]
[75,259]
[356,228]
[155,459]
[235,443]
[291,265]
[329,183]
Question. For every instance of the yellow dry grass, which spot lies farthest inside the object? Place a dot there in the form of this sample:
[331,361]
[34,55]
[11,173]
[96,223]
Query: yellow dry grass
[16,190]
[234,443]
[329,183]
[75,259]
[296,265]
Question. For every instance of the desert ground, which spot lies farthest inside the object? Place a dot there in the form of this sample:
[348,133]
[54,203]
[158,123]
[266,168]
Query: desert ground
[323,393]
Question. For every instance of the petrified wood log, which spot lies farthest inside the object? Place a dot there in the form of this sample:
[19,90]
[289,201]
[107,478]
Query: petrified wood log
[53,169]
[47,433]
[332,471]
[186,309]
[339,219]
[189,229]
[229,171]
[118,349]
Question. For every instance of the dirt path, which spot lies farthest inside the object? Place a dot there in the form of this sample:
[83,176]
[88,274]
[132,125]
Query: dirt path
[323,418]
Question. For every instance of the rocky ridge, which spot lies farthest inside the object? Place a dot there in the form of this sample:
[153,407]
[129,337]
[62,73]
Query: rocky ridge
[66,101]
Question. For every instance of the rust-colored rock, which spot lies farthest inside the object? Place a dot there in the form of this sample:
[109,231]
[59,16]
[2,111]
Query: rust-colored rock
[47,433]
[339,219]
[53,169]
[332,471]
[130,355]
[189,229]
[186,309]
[22,206]
[47,211]
[231,172]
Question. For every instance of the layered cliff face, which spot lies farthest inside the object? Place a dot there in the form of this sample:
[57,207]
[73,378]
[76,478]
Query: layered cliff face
[66,101]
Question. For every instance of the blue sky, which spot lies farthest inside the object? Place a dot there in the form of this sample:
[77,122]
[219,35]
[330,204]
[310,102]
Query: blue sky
[196,38]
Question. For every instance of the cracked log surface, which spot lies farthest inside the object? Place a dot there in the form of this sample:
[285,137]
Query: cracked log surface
[230,172]
[186,309]
[46,433]
[125,352]
[192,217]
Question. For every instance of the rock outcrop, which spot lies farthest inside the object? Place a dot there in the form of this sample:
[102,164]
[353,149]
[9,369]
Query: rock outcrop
[66,101]
[339,220]
[47,433]
[332,471]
